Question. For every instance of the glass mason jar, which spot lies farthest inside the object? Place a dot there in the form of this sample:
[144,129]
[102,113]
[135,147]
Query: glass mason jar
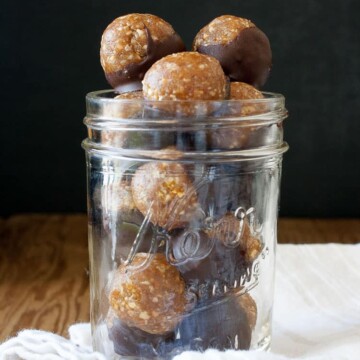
[182,208]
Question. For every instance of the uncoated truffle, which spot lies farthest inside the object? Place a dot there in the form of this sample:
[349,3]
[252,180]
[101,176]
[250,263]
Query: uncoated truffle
[152,299]
[237,136]
[164,191]
[185,76]
[232,233]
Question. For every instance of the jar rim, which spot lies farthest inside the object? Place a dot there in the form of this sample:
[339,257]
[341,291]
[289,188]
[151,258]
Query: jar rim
[137,126]
[108,96]
[103,109]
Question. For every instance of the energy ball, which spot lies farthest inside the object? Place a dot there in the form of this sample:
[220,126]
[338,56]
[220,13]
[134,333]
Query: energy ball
[131,44]
[127,105]
[219,325]
[251,95]
[242,49]
[153,298]
[237,234]
[185,76]
[243,91]
[117,198]
[189,247]
[119,110]
[130,341]
[215,261]
[221,269]
[128,222]
[163,191]
[243,134]
[130,95]
[250,308]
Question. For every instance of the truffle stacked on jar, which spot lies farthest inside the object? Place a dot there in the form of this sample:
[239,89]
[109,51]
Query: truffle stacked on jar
[184,249]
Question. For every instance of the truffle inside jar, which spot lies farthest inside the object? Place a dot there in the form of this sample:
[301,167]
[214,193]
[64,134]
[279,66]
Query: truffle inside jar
[164,192]
[149,294]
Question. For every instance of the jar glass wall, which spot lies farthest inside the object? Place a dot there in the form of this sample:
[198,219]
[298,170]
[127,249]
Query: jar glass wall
[182,208]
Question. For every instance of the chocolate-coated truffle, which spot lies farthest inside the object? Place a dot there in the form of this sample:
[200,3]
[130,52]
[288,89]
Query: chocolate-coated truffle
[222,269]
[164,192]
[149,294]
[219,325]
[130,341]
[128,240]
[215,262]
[242,49]
[185,76]
[131,44]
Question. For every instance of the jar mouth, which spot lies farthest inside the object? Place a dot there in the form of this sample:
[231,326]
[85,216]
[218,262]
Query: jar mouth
[193,129]
[108,95]
[103,109]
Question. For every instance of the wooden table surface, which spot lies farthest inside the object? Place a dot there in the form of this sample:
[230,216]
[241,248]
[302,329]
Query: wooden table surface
[44,280]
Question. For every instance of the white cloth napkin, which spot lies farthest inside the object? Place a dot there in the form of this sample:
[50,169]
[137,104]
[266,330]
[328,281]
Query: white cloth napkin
[317,302]
[43,345]
[316,314]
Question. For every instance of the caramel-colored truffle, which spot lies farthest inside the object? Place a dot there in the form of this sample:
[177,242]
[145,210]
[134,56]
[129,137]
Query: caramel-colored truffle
[153,298]
[185,76]
[129,95]
[241,91]
[131,44]
[235,233]
[126,219]
[242,49]
[118,197]
[165,192]
[237,137]
[118,110]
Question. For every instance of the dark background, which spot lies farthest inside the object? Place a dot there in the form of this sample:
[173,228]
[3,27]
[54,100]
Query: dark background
[50,60]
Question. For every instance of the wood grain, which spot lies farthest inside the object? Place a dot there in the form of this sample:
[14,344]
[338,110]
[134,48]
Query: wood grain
[43,273]
[309,231]
[44,266]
